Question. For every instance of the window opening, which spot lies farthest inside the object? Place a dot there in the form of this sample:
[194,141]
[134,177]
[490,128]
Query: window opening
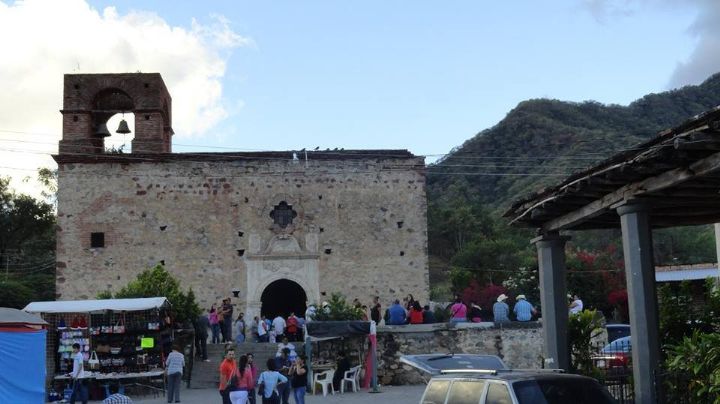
[283,214]
[97,240]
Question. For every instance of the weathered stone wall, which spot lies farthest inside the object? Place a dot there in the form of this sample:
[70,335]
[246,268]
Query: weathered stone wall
[519,345]
[360,225]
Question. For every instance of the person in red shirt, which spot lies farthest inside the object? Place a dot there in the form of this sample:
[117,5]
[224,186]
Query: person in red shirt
[416,313]
[227,367]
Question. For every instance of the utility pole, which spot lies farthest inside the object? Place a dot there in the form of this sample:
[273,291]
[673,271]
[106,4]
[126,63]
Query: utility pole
[7,261]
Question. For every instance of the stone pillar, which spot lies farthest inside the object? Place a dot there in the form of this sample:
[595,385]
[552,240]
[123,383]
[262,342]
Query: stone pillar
[640,273]
[553,298]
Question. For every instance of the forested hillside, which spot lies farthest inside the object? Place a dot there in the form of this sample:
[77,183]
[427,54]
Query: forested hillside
[555,138]
[538,143]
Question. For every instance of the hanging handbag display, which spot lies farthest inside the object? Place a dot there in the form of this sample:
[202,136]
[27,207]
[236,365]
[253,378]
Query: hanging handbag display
[94,362]
[119,327]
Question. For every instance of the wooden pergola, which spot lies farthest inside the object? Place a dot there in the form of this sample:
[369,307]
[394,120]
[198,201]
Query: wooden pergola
[671,180]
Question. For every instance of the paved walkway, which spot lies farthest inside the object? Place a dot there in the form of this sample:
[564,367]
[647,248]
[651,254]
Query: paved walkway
[388,394]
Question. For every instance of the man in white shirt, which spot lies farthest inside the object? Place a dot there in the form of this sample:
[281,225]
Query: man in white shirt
[576,306]
[80,390]
[279,327]
[310,313]
[262,330]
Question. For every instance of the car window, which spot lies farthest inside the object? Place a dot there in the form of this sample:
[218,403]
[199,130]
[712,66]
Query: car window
[619,345]
[466,392]
[498,394]
[615,332]
[561,391]
[436,391]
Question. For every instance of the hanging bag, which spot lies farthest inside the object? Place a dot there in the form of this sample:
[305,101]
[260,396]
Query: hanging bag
[119,327]
[94,362]
[232,382]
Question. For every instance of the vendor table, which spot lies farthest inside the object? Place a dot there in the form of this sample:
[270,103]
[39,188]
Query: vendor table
[109,377]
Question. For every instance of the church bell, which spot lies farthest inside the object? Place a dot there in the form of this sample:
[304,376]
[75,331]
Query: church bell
[123,127]
[102,130]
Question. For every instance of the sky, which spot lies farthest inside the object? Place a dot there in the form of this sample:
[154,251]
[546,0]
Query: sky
[286,75]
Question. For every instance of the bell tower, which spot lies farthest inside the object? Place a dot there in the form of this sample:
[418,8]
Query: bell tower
[89,100]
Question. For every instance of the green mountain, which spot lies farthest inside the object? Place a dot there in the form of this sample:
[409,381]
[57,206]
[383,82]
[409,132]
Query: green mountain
[541,141]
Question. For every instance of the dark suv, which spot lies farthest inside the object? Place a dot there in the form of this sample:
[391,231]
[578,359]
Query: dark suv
[467,385]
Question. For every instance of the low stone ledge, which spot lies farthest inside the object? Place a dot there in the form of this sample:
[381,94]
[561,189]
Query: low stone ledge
[519,344]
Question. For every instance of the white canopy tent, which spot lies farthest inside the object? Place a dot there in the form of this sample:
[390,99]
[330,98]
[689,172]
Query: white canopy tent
[92,306]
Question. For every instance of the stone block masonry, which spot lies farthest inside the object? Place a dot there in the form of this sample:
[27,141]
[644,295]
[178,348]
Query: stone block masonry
[519,345]
[207,218]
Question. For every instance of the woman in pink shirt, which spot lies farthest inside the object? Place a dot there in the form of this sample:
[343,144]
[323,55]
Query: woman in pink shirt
[458,312]
[214,325]
[245,382]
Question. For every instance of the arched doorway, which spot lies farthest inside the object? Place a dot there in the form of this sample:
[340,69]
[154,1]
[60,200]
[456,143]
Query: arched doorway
[281,297]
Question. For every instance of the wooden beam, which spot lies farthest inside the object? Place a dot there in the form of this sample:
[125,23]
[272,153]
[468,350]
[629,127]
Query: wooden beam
[657,183]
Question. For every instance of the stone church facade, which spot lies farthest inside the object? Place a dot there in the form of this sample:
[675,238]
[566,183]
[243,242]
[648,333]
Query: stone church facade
[272,229]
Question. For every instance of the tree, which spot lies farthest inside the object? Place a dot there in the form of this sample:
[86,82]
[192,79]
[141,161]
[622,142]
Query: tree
[158,282]
[27,247]
[15,294]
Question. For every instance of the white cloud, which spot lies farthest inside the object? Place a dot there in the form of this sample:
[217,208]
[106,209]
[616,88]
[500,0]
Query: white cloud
[44,39]
[704,60]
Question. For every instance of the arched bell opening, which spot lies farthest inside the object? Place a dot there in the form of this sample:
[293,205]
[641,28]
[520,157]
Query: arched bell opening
[113,121]
[282,297]
[122,132]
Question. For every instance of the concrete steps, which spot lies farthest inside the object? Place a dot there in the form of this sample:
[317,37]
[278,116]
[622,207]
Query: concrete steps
[207,374]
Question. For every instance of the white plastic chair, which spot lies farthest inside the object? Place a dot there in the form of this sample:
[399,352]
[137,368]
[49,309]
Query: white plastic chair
[351,376]
[324,379]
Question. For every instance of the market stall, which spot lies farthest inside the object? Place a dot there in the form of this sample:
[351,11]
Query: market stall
[22,363]
[123,341]
[317,331]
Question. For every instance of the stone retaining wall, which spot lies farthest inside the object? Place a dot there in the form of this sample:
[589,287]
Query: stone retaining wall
[518,344]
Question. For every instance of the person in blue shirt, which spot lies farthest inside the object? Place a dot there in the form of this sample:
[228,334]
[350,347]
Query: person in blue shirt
[523,309]
[271,379]
[397,314]
[501,311]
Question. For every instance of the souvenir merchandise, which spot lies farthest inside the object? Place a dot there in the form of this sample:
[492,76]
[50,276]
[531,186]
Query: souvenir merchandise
[124,343]
[94,362]
[119,327]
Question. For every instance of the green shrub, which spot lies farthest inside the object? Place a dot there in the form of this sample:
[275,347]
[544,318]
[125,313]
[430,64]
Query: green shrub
[442,314]
[338,309]
[582,328]
[697,357]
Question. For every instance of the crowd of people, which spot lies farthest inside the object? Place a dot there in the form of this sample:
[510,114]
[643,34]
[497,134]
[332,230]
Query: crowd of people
[284,374]
[219,318]
[410,311]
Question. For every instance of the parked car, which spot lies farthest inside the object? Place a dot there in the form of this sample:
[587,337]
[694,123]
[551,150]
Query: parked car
[464,384]
[615,331]
[617,354]
[434,364]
